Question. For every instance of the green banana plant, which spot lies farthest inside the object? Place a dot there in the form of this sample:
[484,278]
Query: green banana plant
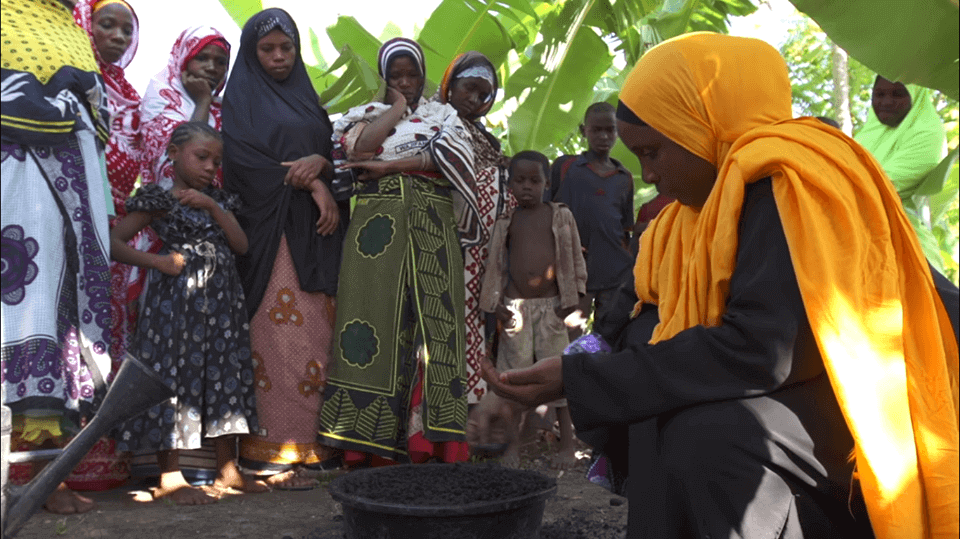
[915,42]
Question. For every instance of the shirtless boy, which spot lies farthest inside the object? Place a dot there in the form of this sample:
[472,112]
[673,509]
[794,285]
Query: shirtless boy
[536,275]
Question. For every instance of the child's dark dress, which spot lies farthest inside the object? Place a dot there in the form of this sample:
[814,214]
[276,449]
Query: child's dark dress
[193,330]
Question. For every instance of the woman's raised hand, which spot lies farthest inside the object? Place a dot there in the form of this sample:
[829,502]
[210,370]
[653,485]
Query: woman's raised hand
[305,170]
[329,211]
[198,88]
[395,98]
[533,386]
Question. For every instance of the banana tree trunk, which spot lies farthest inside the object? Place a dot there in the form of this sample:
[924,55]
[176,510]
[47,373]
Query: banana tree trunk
[841,88]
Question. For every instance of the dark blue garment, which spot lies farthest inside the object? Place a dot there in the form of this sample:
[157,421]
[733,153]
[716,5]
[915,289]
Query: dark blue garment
[603,209]
[265,123]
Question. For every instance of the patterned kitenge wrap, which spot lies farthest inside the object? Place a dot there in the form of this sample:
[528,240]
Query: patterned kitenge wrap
[397,386]
[49,73]
[56,280]
[123,168]
[290,272]
[886,340]
[166,103]
[493,199]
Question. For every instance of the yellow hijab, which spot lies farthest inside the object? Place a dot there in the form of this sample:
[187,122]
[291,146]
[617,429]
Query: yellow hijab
[884,335]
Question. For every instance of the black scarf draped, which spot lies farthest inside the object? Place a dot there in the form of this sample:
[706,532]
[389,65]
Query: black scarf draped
[265,123]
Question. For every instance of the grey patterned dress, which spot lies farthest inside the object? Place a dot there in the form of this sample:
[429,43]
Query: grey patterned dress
[193,330]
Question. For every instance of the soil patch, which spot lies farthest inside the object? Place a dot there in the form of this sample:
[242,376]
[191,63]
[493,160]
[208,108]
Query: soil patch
[443,485]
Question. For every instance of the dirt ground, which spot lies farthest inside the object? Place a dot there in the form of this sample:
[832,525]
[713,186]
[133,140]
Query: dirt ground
[579,510]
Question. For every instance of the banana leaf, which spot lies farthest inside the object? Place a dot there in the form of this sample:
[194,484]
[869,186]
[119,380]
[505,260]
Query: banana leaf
[358,84]
[941,185]
[241,10]
[348,32]
[489,26]
[915,42]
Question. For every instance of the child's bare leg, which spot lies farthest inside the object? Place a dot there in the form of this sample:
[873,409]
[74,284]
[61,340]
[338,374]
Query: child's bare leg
[228,474]
[566,456]
[511,457]
[174,485]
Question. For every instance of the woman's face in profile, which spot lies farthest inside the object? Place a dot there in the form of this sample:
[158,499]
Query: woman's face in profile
[674,170]
[891,101]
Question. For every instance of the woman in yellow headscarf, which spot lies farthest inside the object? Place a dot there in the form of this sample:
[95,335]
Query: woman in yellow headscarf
[787,318]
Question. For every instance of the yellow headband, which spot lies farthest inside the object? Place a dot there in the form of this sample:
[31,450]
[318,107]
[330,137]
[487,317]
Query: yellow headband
[103,3]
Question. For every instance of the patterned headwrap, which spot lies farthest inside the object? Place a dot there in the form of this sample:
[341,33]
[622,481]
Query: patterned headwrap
[166,103]
[470,64]
[397,47]
[123,150]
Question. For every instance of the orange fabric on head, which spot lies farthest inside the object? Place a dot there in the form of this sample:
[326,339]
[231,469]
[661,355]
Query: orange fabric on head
[456,67]
[104,3]
[707,97]
[886,340]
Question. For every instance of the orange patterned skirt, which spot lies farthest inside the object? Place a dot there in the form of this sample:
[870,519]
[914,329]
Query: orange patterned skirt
[290,339]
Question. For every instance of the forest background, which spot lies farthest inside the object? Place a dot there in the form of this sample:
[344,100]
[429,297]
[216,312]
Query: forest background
[556,58]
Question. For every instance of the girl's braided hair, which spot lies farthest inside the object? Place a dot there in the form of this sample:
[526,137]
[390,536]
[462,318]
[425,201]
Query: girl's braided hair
[186,131]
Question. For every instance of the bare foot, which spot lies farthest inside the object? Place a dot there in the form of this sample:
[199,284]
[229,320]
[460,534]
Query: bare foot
[231,478]
[291,480]
[176,488]
[64,501]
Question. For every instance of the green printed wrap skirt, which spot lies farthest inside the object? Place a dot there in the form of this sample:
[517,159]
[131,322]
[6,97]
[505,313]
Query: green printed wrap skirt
[400,305]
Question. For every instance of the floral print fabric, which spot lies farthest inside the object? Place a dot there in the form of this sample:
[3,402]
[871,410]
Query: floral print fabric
[56,303]
[193,331]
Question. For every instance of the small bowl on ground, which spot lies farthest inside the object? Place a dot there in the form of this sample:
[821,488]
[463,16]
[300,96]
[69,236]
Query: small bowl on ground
[440,501]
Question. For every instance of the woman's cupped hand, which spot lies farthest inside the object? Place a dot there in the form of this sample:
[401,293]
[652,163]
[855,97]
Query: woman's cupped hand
[532,386]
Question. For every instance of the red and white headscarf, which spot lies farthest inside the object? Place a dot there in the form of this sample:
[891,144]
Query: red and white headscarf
[166,103]
[123,150]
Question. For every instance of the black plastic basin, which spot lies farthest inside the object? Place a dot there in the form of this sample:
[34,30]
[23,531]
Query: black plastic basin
[374,508]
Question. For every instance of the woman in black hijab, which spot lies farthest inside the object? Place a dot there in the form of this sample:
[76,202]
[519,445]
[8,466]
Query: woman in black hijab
[277,158]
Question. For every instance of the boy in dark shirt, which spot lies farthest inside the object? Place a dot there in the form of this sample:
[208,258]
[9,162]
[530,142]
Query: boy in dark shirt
[535,277]
[599,192]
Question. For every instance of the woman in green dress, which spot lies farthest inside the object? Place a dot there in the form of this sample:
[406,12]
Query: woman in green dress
[397,383]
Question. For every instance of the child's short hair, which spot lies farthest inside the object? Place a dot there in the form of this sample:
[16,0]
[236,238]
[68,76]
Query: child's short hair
[186,131]
[601,107]
[531,155]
